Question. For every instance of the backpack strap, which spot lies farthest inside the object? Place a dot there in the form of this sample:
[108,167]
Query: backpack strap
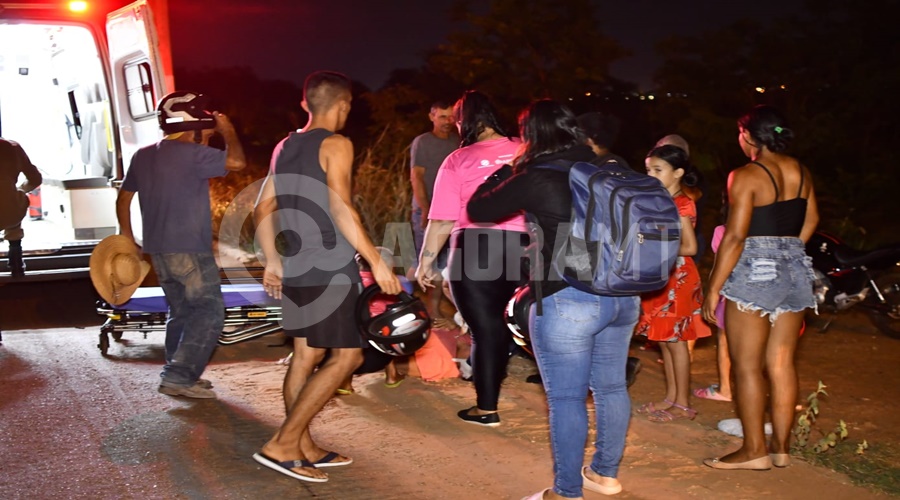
[533,252]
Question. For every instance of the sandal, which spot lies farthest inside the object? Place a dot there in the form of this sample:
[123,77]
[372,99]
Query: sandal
[710,392]
[288,467]
[663,416]
[648,408]
[396,383]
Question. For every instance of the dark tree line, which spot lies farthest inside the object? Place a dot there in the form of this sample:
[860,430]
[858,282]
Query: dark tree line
[833,70]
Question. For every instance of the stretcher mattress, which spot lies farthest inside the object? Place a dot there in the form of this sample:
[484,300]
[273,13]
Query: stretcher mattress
[152,299]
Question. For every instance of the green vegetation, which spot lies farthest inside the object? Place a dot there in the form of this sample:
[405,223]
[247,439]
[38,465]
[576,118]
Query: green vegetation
[876,468]
[805,423]
[873,465]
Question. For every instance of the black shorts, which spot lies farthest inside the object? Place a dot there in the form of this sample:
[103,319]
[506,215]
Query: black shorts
[324,315]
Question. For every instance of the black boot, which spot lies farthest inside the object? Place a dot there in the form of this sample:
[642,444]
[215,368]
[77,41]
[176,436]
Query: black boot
[14,256]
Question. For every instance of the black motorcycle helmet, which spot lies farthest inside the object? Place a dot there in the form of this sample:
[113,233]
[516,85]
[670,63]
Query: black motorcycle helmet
[400,330]
[184,111]
[517,311]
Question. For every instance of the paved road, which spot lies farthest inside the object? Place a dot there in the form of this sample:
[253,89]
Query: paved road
[74,424]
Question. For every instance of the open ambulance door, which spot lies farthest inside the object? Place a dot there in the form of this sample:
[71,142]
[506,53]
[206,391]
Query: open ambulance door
[140,62]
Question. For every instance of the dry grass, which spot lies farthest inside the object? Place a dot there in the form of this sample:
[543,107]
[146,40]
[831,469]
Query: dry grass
[231,198]
[381,194]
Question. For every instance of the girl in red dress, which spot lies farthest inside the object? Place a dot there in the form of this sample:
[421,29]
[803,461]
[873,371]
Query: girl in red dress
[672,316]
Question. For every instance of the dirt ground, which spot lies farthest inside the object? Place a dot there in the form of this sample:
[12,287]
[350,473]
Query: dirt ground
[77,425]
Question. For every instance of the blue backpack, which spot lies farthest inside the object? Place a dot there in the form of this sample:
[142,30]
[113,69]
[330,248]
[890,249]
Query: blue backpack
[624,235]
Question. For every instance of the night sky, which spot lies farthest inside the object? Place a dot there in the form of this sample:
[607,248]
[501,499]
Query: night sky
[287,39]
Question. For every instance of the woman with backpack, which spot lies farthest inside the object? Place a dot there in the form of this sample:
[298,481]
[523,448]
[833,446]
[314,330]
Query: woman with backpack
[671,316]
[766,277]
[580,340]
[481,280]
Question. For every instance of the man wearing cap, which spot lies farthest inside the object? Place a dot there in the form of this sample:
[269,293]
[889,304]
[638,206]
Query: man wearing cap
[172,178]
[13,201]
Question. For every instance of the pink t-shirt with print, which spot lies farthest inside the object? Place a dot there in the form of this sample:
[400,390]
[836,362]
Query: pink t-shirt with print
[461,174]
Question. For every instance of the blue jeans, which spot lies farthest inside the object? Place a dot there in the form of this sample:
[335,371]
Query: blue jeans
[580,343]
[196,313]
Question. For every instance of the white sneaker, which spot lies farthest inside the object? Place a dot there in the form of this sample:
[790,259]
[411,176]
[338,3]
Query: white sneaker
[733,427]
[458,319]
[465,369]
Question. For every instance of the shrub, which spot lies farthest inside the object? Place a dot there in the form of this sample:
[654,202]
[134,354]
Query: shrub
[382,194]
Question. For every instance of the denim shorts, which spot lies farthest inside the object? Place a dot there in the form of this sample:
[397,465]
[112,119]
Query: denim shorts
[773,275]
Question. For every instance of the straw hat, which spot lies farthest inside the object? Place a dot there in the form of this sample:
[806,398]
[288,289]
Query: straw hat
[117,269]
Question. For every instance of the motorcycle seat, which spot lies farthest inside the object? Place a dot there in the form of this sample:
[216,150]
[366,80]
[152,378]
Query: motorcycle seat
[879,258]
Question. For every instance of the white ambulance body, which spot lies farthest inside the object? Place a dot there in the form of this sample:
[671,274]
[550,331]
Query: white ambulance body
[79,83]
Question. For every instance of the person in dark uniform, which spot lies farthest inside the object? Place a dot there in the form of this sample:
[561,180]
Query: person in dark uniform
[13,200]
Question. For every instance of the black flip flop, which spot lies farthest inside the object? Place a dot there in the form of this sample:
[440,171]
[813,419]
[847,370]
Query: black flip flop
[286,466]
[328,461]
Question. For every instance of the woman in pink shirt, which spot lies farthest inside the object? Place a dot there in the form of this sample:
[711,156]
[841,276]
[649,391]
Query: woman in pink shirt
[481,279]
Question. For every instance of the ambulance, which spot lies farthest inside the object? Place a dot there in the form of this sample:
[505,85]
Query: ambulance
[79,83]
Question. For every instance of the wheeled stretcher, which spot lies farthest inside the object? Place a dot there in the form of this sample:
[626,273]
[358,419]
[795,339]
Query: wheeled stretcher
[249,313]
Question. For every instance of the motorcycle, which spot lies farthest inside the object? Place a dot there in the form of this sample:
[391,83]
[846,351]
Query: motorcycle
[846,277]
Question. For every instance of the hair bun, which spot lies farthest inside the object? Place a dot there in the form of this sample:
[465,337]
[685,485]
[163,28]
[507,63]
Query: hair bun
[691,177]
[768,127]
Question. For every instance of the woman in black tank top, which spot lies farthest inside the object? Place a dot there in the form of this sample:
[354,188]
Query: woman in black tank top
[763,272]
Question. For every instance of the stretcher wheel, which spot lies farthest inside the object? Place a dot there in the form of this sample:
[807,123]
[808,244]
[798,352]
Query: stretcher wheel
[117,336]
[104,344]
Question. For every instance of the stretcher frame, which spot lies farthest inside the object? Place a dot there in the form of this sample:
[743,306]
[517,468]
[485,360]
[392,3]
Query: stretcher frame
[249,313]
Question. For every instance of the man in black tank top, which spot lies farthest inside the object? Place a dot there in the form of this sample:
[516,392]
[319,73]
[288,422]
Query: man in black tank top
[317,278]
